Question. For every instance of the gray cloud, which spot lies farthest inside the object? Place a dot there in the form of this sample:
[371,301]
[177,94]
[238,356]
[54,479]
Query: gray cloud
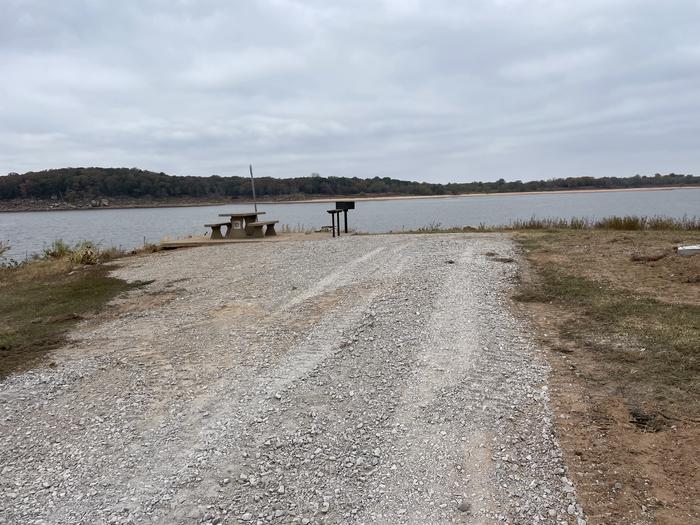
[437,91]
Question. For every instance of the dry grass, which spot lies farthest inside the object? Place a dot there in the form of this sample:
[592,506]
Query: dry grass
[35,271]
[648,347]
[641,262]
[625,223]
[621,314]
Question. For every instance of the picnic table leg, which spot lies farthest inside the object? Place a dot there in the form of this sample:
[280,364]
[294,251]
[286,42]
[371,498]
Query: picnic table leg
[345,217]
[270,230]
[256,231]
[235,233]
[250,230]
[333,223]
[216,232]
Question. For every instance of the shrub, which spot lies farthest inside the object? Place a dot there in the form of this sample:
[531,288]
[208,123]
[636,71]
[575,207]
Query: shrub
[56,250]
[4,261]
[85,253]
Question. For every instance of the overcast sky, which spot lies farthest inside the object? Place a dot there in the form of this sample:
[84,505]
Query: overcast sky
[422,90]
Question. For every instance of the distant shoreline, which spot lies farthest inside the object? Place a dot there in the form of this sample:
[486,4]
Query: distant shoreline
[484,194]
[43,206]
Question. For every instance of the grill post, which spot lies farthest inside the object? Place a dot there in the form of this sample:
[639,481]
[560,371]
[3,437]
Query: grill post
[333,223]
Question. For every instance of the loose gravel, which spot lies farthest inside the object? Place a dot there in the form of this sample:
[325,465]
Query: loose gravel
[366,379]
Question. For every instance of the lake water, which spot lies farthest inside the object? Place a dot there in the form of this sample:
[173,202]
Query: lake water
[29,232]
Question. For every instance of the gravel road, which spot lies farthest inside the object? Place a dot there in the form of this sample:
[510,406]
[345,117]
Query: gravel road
[366,379]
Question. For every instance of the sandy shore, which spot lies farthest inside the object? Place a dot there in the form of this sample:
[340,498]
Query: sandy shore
[488,194]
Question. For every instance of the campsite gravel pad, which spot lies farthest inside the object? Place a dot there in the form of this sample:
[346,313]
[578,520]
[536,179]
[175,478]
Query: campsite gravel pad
[366,379]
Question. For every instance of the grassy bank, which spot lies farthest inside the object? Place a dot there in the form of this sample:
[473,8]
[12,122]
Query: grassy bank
[620,312]
[616,223]
[43,299]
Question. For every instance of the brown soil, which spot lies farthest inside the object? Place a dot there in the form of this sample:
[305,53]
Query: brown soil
[632,455]
[624,472]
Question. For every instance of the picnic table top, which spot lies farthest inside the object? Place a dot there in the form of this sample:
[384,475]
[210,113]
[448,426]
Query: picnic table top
[244,214]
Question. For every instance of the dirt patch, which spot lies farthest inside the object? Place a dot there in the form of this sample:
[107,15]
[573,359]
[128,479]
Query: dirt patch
[304,315]
[238,310]
[627,461]
[622,336]
[142,302]
[636,257]
[495,257]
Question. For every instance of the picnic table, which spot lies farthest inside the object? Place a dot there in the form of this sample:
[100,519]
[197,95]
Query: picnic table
[246,224]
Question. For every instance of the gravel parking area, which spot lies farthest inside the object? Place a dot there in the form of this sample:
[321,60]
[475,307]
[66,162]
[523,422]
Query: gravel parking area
[366,379]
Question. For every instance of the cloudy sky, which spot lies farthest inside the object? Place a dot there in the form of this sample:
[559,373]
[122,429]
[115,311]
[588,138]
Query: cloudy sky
[424,90]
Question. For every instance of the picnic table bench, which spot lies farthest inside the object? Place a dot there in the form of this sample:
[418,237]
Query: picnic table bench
[216,229]
[256,228]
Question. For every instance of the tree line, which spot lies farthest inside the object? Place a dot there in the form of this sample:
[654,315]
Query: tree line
[72,184]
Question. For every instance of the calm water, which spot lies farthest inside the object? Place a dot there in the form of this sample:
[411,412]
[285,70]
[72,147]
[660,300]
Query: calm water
[30,232]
